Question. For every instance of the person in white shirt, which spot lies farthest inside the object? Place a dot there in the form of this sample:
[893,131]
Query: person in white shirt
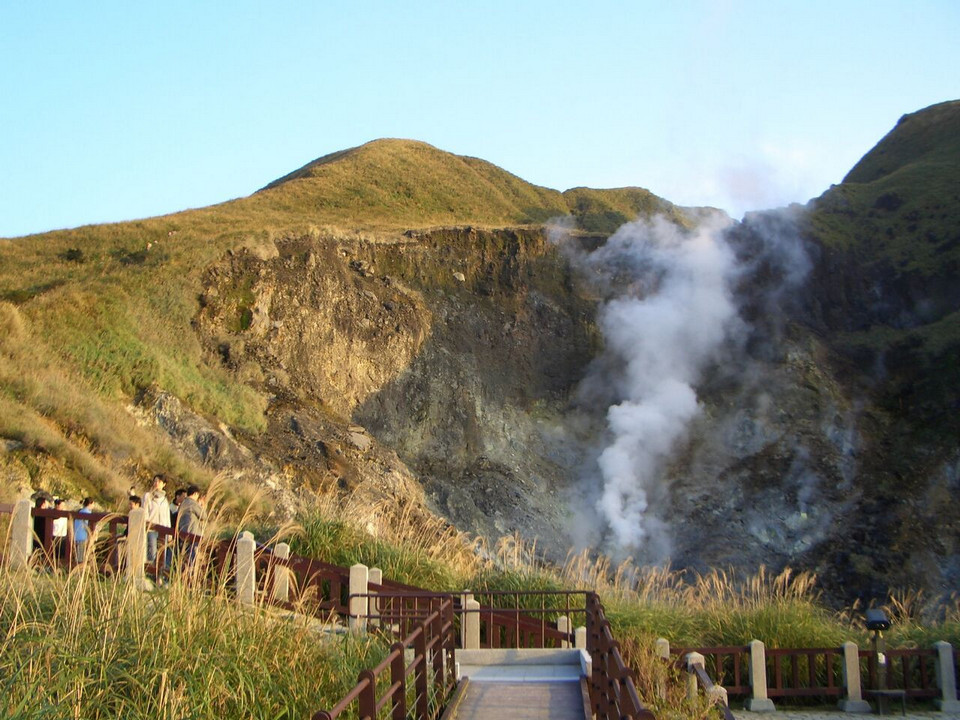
[156,509]
[59,531]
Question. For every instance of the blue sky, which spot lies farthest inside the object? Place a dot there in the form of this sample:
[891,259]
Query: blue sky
[112,111]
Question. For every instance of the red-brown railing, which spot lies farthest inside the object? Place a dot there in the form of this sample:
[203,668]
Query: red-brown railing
[315,587]
[432,641]
[709,687]
[805,672]
[613,691]
[908,669]
[818,672]
[729,666]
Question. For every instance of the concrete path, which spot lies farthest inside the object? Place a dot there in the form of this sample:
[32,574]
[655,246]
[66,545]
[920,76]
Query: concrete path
[521,684]
[490,700]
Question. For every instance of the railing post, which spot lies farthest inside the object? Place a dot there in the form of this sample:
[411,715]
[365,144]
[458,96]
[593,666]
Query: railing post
[946,678]
[471,625]
[21,535]
[758,701]
[136,555]
[373,606]
[854,701]
[580,638]
[281,574]
[420,676]
[398,677]
[663,652]
[367,701]
[563,625]
[359,584]
[693,659]
[246,570]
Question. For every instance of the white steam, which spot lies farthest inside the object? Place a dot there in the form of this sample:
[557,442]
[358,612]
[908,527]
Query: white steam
[664,335]
[669,308]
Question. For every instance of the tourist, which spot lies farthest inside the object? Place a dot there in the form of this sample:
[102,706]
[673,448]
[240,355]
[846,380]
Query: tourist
[59,531]
[191,519]
[178,497]
[81,530]
[156,512]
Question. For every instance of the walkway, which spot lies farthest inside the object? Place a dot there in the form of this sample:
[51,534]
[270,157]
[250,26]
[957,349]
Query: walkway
[520,684]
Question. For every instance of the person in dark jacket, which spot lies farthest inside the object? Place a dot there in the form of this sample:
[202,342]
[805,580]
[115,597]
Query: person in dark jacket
[191,518]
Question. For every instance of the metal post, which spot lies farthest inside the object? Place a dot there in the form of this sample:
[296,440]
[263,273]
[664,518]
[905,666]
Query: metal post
[398,678]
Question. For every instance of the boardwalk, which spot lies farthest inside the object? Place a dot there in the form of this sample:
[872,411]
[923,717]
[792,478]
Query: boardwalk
[521,684]
[520,701]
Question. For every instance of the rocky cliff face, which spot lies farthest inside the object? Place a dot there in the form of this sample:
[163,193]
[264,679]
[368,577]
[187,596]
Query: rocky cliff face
[455,348]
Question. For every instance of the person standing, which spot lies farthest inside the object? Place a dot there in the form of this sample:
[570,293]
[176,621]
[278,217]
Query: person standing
[156,510]
[81,530]
[59,531]
[178,497]
[42,502]
[191,518]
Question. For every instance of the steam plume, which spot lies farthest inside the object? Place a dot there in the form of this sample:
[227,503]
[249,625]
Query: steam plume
[675,313]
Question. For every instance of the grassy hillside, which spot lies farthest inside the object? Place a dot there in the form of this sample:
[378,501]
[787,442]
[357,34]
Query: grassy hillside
[891,232]
[899,202]
[403,183]
[603,211]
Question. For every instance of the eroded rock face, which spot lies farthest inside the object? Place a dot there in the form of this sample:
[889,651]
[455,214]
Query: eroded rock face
[313,319]
[457,349]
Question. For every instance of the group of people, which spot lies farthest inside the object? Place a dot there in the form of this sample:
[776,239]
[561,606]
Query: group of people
[185,512]
[81,527]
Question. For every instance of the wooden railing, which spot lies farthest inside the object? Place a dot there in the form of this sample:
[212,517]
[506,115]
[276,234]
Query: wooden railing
[613,692]
[432,641]
[805,672]
[728,666]
[700,678]
[908,669]
[819,672]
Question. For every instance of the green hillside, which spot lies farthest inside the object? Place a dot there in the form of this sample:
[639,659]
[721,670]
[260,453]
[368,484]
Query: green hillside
[899,202]
[404,183]
[603,211]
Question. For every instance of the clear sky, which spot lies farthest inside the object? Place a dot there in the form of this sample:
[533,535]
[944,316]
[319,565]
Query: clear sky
[118,110]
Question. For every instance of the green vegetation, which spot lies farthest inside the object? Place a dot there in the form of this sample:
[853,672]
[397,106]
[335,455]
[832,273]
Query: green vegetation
[897,206]
[603,211]
[82,646]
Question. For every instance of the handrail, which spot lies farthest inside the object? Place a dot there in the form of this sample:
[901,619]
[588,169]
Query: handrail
[613,692]
[433,641]
[715,693]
